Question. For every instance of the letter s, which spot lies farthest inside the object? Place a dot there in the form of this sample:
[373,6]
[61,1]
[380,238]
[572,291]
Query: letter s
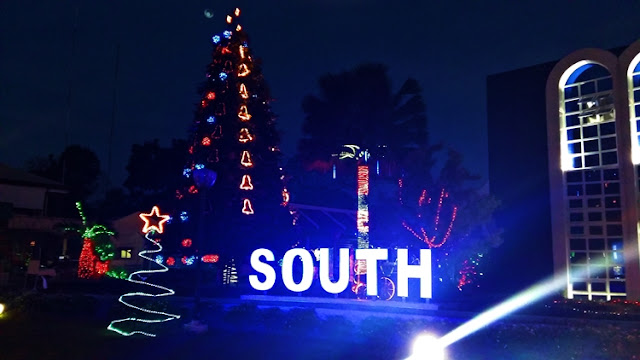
[263,268]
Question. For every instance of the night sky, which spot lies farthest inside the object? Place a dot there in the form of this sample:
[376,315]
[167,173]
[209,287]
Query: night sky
[448,46]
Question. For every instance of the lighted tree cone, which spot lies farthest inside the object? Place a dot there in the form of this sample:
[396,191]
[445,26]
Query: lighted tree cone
[87,260]
[234,134]
[162,316]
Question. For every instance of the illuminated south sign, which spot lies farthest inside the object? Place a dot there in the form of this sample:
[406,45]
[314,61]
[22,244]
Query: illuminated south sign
[405,271]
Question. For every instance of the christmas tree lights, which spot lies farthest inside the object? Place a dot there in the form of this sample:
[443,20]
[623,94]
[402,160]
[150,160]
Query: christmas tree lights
[97,249]
[249,177]
[148,226]
[246,183]
[243,70]
[243,114]
[247,209]
[243,91]
[161,316]
[246,159]
[244,136]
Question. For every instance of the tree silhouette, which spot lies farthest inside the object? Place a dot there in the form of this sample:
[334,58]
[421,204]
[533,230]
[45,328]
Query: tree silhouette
[359,107]
[77,167]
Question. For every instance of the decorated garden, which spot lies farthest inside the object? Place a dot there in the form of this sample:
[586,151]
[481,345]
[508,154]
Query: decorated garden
[357,248]
[72,326]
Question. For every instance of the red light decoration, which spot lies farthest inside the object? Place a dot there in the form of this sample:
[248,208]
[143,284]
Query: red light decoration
[184,260]
[186,242]
[246,159]
[362,214]
[171,261]
[193,189]
[206,141]
[102,267]
[203,103]
[247,209]
[423,235]
[285,197]
[246,183]
[179,195]
[243,91]
[243,114]
[211,95]
[243,70]
[225,50]
[467,273]
[190,149]
[87,260]
[211,258]
[155,212]
[245,136]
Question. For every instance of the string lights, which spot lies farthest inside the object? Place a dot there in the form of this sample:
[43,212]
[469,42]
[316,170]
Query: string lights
[246,183]
[148,226]
[245,136]
[243,91]
[95,255]
[243,70]
[243,114]
[246,159]
[247,209]
[211,258]
[423,235]
[363,207]
[164,316]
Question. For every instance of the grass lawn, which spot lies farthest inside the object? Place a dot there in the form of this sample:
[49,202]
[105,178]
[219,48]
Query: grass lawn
[54,329]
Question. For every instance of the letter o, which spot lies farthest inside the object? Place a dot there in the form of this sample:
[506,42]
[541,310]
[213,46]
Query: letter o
[307,270]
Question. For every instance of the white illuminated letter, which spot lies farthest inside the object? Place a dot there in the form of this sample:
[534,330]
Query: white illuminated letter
[371,257]
[343,278]
[262,268]
[307,270]
[422,272]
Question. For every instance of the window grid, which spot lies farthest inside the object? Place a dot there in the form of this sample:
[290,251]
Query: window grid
[634,112]
[594,233]
[588,125]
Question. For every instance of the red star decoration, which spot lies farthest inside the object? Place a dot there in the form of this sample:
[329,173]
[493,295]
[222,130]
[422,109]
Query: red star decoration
[155,212]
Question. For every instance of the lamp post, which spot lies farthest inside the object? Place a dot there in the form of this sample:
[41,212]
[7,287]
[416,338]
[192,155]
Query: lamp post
[204,179]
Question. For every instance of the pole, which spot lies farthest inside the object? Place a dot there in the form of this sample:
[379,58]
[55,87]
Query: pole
[201,236]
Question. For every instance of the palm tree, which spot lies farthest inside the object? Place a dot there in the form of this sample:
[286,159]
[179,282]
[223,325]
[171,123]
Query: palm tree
[359,107]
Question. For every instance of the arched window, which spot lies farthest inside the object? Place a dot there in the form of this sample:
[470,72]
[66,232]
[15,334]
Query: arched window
[633,79]
[591,180]
[587,123]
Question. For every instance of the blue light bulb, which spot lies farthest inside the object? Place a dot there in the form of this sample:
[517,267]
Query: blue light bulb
[199,166]
[227,34]
[216,39]
[184,216]
[223,76]
[186,172]
[211,119]
[159,259]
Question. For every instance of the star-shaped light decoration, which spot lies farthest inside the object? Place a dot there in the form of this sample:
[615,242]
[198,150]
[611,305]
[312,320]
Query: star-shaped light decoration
[155,212]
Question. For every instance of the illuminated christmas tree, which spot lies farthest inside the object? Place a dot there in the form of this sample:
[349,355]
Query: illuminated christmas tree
[146,316]
[231,202]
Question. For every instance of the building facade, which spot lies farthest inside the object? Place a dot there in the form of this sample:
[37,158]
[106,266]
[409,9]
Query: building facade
[593,141]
